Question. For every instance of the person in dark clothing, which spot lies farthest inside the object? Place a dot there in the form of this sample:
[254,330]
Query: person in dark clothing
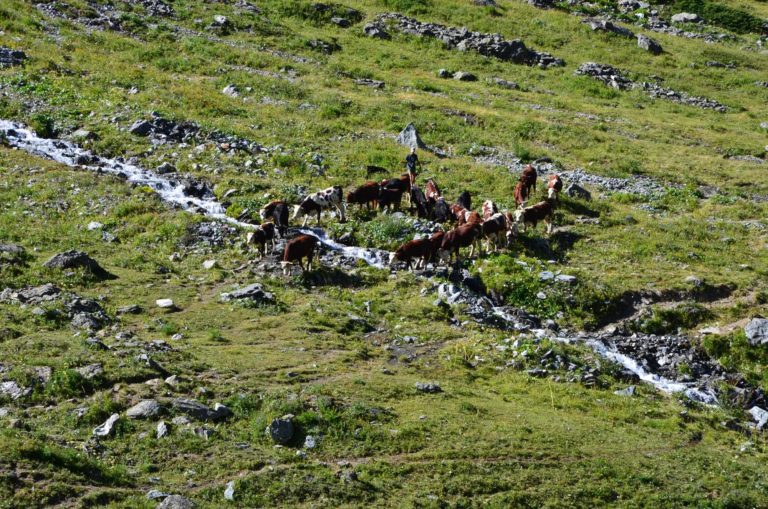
[411,160]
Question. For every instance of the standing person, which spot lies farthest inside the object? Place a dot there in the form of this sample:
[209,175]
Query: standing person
[411,160]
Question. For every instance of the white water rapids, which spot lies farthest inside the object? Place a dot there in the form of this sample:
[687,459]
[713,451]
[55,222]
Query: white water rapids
[172,192]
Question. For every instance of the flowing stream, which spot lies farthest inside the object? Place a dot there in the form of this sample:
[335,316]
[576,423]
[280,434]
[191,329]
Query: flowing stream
[173,192]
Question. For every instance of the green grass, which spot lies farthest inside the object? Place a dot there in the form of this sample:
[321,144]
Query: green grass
[332,350]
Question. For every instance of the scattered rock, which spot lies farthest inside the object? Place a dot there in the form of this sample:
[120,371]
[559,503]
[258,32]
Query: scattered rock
[511,85]
[133,309]
[323,46]
[165,303]
[13,390]
[464,76]
[428,387]
[757,331]
[90,371]
[410,138]
[607,74]
[140,128]
[229,491]
[108,426]
[694,281]
[310,442]
[608,26]
[370,83]
[162,430]
[176,502]
[145,409]
[461,39]
[376,31]
[12,254]
[231,90]
[760,416]
[199,411]
[281,430]
[10,57]
[209,264]
[648,44]
[165,169]
[444,73]
[629,391]
[254,292]
[341,22]
[77,259]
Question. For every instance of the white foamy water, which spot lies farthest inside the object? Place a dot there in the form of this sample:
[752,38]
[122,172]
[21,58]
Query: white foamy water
[173,192]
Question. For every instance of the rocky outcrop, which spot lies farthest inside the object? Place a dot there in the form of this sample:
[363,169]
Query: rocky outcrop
[10,57]
[649,45]
[603,25]
[253,293]
[409,137]
[757,331]
[76,260]
[462,39]
[82,312]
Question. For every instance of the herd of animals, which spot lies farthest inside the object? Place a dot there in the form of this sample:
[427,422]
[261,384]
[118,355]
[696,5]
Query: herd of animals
[470,227]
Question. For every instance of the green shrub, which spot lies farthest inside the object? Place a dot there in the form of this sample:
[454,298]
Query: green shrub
[386,231]
[43,125]
[67,383]
[666,321]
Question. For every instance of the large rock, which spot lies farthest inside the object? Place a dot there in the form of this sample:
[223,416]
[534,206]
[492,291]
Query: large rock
[410,138]
[281,430]
[254,293]
[376,31]
[144,409]
[686,17]
[757,331]
[649,45]
[108,427]
[13,390]
[9,57]
[140,128]
[199,411]
[13,254]
[76,259]
[603,25]
[464,76]
[176,502]
[576,191]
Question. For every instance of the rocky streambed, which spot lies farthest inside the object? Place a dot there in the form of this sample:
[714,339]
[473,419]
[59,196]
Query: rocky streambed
[670,363]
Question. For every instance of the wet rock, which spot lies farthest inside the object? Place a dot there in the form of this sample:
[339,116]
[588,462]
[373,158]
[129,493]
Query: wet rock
[165,168]
[10,57]
[176,502]
[144,409]
[77,259]
[140,128]
[757,331]
[281,430]
[108,427]
[410,138]
[649,45]
[254,292]
[686,17]
[428,387]
[464,76]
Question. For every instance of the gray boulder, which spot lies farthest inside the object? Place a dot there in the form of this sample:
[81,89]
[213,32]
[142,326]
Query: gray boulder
[140,128]
[410,138]
[165,168]
[108,426]
[757,331]
[376,31]
[13,390]
[444,73]
[602,25]
[649,44]
[464,76]
[686,17]
[10,57]
[282,430]
[176,502]
[428,387]
[199,411]
[576,191]
[254,293]
[144,409]
[231,90]
[76,259]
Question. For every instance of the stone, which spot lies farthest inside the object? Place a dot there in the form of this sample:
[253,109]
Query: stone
[162,430]
[165,168]
[444,73]
[576,191]
[229,491]
[133,309]
[199,411]
[209,264]
[370,83]
[144,409]
[608,26]
[165,303]
[13,390]
[686,17]
[757,331]
[546,275]
[180,420]
[763,125]
[565,278]
[94,225]
[428,387]
[629,391]
[760,416]
[231,90]
[376,31]
[310,442]
[176,502]
[648,44]
[10,57]
[464,76]
[156,495]
[409,137]
[90,371]
[511,85]
[341,22]
[83,134]
[254,292]
[140,128]
[281,430]
[76,259]
[108,426]
[694,280]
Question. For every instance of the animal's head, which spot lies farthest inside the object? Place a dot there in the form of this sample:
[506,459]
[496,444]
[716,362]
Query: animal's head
[249,237]
[551,193]
[296,211]
[268,227]
[263,214]
[392,258]
[286,267]
[349,196]
[518,215]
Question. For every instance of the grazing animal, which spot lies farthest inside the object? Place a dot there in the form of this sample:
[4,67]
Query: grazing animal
[457,211]
[554,186]
[431,191]
[261,236]
[403,183]
[418,248]
[461,236]
[511,226]
[489,209]
[390,198]
[521,194]
[366,194]
[529,176]
[419,202]
[465,200]
[494,230]
[370,170]
[470,217]
[315,203]
[435,241]
[276,211]
[296,250]
[441,212]
[542,211]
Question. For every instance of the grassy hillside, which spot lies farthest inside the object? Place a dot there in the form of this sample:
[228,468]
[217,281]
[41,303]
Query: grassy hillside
[342,348]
